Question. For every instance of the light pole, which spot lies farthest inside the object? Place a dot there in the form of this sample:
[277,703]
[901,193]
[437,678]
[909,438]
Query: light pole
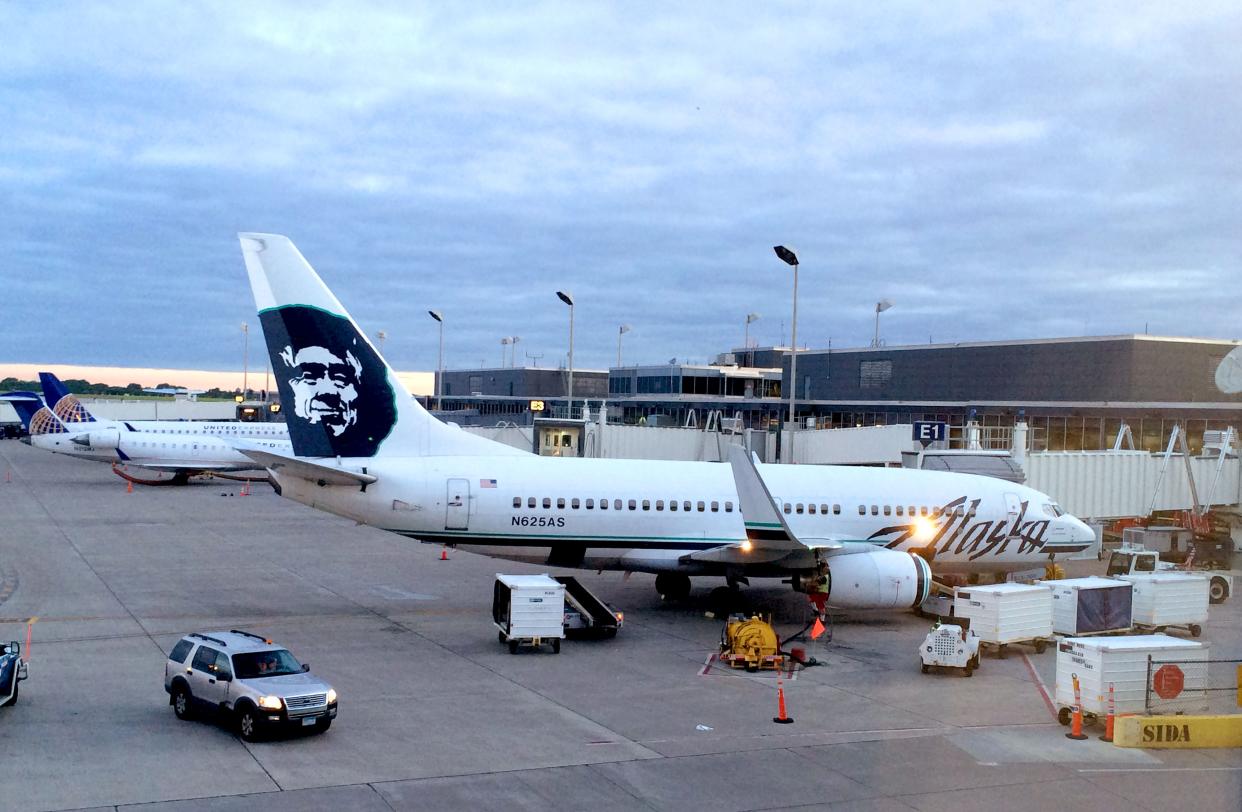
[568,298]
[514,341]
[625,328]
[439,317]
[504,353]
[880,307]
[790,258]
[750,319]
[381,335]
[246,360]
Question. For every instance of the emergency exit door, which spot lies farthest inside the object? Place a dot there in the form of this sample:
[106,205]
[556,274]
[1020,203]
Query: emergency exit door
[457,505]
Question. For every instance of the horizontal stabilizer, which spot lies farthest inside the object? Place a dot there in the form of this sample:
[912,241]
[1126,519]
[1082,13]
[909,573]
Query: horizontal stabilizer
[303,468]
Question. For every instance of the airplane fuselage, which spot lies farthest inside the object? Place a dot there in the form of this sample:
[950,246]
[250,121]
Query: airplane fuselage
[647,515]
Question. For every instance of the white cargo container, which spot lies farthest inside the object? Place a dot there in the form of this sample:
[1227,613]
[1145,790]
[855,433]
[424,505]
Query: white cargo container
[1007,613]
[1163,599]
[1123,661]
[529,609]
[1090,605]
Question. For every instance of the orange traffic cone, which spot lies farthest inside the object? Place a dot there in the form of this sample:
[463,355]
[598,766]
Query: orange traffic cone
[444,554]
[782,718]
[1109,719]
[1076,724]
[8,475]
[129,486]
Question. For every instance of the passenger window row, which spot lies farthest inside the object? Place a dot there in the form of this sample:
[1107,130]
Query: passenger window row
[673,505]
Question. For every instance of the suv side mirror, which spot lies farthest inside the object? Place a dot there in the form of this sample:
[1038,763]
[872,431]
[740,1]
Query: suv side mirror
[15,647]
[305,667]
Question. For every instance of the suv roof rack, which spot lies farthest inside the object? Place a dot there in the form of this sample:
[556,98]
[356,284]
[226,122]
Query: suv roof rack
[250,634]
[215,640]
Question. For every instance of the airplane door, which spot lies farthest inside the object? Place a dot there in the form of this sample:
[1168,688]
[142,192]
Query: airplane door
[457,505]
[1013,504]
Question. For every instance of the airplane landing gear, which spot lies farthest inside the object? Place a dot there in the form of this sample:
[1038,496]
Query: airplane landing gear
[672,586]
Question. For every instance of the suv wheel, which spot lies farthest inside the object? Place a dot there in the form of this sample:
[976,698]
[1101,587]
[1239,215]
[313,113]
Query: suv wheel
[182,703]
[247,723]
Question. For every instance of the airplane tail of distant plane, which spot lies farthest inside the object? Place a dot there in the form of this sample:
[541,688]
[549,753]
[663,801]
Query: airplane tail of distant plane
[26,404]
[340,398]
[65,405]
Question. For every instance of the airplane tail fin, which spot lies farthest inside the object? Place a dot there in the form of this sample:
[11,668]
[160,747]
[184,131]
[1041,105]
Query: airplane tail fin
[66,406]
[26,404]
[340,397]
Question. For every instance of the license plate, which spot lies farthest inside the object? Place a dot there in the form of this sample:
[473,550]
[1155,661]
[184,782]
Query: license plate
[308,721]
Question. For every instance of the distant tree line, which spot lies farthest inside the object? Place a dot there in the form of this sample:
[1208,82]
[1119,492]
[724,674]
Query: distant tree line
[79,386]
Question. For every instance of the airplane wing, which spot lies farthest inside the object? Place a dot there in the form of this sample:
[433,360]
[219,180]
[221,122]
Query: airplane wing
[303,468]
[768,536]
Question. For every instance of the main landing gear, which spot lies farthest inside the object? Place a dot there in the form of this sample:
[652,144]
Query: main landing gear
[672,586]
[722,601]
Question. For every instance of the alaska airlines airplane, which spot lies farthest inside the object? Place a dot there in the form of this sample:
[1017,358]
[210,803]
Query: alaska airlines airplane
[183,455]
[364,449]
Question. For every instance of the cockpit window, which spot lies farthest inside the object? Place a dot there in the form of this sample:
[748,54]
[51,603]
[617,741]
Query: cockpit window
[1053,509]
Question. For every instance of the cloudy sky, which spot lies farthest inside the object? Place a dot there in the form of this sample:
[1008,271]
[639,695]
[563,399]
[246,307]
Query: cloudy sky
[1065,169]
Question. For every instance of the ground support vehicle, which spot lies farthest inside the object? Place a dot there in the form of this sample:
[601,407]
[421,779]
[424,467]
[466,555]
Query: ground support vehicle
[13,670]
[585,614]
[249,680]
[950,645]
[1132,559]
[529,610]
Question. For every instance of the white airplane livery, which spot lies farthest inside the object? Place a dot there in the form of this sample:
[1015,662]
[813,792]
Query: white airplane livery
[364,449]
[167,449]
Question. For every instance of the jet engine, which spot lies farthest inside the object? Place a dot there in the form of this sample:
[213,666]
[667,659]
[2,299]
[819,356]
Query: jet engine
[880,579]
[103,438]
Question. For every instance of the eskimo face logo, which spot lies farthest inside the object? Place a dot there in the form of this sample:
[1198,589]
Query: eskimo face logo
[334,385]
[325,386]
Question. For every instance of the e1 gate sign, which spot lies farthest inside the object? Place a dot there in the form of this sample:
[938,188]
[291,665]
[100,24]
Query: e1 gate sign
[928,432]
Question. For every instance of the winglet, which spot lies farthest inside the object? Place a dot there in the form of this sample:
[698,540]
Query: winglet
[765,526]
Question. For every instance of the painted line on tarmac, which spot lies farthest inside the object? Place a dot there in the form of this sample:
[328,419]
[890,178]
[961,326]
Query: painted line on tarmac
[1039,683]
[1160,770]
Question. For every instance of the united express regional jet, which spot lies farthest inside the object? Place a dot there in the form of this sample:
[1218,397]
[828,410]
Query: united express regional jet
[364,449]
[172,446]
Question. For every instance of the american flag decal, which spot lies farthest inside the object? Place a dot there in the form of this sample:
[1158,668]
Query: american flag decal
[487,483]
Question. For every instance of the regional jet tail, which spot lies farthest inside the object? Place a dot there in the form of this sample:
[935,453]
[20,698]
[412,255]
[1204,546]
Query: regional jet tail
[364,449]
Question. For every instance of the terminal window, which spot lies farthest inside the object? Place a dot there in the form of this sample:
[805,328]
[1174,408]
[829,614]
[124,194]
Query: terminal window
[874,374]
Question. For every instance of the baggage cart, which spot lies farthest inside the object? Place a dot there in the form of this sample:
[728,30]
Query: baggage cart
[1169,600]
[1083,606]
[1124,662]
[1005,614]
[529,610]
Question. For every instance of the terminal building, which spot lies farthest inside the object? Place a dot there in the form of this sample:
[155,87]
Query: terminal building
[1073,393]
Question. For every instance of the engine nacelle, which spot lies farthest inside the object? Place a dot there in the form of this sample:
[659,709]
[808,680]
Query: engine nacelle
[101,439]
[880,579]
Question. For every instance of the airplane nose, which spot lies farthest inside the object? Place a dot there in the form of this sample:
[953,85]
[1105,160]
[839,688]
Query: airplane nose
[1080,530]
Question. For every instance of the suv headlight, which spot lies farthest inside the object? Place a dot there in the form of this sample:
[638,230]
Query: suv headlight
[270,702]
[331,695]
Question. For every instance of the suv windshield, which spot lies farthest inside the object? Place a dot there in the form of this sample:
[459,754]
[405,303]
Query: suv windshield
[265,664]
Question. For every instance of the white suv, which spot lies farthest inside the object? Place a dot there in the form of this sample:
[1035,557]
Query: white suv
[261,686]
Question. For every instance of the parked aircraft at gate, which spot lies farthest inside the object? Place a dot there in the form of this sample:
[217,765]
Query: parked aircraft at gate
[167,450]
[363,448]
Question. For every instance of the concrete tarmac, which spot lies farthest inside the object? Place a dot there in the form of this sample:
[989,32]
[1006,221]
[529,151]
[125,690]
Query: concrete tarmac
[436,714]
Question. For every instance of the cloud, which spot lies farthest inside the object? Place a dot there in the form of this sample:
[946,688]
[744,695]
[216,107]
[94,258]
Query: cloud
[998,172]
